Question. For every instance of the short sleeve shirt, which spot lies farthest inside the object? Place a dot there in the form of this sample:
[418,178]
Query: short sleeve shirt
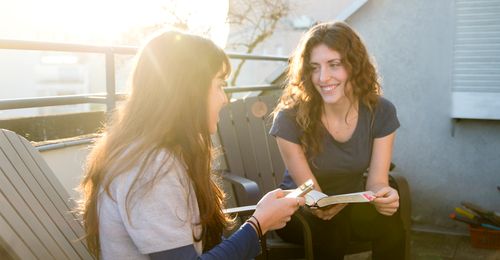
[165,217]
[339,167]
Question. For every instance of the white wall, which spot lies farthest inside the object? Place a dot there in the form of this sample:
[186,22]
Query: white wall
[412,41]
[67,164]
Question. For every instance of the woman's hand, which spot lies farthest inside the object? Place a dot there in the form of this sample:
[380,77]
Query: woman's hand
[387,201]
[274,210]
[329,212]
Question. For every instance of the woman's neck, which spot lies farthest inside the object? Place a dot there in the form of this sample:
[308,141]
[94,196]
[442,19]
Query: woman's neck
[342,109]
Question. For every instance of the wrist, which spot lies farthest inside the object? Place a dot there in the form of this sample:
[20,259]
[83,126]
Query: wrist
[254,222]
[262,222]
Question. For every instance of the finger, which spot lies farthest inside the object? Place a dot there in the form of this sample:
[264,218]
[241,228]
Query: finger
[385,200]
[382,192]
[278,193]
[299,201]
[387,211]
[338,207]
[332,211]
[343,205]
[281,225]
[387,206]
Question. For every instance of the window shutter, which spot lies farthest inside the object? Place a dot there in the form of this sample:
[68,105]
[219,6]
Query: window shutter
[476,73]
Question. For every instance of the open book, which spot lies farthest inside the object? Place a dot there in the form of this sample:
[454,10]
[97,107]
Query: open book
[318,199]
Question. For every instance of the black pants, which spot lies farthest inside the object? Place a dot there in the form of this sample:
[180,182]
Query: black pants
[356,222]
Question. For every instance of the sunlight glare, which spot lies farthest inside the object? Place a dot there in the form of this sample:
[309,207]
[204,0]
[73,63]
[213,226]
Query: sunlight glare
[102,22]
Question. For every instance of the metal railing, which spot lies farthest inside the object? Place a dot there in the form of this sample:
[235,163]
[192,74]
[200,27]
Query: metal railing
[110,97]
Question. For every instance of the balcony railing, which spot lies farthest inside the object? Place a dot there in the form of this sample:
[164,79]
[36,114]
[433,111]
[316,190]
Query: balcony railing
[110,97]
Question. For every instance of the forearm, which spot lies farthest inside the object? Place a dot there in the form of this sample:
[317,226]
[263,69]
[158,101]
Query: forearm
[376,185]
[243,244]
[378,174]
[296,162]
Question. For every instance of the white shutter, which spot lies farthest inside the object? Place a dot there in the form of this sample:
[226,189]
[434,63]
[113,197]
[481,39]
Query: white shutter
[476,73]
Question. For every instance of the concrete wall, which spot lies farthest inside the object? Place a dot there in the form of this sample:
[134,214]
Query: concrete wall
[412,42]
[67,164]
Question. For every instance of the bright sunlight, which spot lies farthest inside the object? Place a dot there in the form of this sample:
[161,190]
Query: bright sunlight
[103,22]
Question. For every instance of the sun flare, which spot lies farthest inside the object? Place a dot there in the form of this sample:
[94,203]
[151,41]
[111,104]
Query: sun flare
[102,22]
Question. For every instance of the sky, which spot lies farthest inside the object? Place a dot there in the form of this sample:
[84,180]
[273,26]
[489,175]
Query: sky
[102,21]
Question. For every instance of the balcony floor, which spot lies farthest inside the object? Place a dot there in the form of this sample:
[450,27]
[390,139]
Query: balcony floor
[430,246]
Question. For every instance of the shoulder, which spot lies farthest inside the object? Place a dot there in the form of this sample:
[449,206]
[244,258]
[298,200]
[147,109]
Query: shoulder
[385,118]
[155,166]
[285,125]
[384,105]
[289,113]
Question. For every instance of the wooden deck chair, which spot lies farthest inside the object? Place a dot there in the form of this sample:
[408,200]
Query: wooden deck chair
[252,155]
[35,217]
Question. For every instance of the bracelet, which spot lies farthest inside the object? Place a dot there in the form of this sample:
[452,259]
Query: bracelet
[256,226]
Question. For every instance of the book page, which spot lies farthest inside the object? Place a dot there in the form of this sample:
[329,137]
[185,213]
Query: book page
[313,196]
[365,196]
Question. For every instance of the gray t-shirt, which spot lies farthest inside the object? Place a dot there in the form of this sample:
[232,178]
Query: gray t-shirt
[340,166]
[163,218]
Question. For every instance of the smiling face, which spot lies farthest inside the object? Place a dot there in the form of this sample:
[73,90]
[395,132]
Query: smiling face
[216,100]
[328,74]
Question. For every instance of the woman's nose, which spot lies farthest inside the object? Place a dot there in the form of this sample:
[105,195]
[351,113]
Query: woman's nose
[324,74]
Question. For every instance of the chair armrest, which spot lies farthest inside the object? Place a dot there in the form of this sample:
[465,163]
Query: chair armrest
[306,230]
[404,198]
[246,191]
[245,210]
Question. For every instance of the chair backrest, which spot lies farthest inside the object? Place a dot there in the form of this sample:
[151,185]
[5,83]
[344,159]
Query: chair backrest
[249,150]
[35,213]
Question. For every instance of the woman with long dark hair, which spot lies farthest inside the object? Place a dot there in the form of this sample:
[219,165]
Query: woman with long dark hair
[148,190]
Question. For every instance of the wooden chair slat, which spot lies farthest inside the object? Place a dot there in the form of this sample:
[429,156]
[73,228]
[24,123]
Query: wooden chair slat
[39,200]
[13,242]
[245,140]
[229,142]
[257,111]
[17,215]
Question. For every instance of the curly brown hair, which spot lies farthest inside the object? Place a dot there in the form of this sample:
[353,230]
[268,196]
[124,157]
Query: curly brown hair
[299,92]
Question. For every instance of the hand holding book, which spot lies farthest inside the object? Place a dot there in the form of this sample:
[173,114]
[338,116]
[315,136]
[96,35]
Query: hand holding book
[386,201]
[316,199]
[326,207]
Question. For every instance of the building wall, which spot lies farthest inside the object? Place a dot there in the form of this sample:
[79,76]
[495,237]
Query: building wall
[445,163]
[68,164]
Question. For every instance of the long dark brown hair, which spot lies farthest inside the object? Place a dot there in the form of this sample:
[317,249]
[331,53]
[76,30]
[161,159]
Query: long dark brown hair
[166,110]
[300,93]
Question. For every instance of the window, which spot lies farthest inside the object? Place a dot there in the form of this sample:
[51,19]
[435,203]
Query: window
[476,73]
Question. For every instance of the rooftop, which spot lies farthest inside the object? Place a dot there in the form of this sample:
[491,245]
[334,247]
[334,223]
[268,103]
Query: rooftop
[433,246]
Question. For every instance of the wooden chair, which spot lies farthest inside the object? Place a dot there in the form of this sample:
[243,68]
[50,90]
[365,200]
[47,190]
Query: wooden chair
[35,213]
[254,167]
[35,217]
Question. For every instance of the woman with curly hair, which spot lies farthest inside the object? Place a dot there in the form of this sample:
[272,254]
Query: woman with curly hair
[148,191]
[332,126]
